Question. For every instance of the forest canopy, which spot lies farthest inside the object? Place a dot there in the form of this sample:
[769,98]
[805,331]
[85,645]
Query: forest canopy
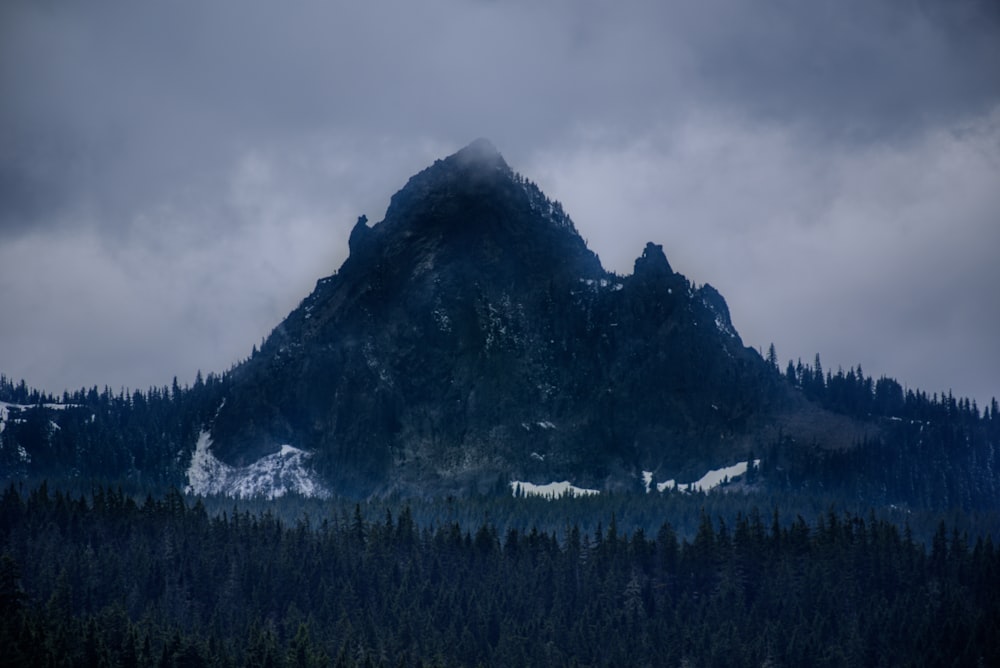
[105,578]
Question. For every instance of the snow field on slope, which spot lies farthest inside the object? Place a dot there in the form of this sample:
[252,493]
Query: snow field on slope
[552,490]
[707,482]
[272,476]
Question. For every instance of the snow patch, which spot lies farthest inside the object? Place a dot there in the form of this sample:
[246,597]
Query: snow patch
[602,283]
[5,408]
[710,480]
[23,407]
[647,479]
[272,476]
[552,490]
[442,319]
[723,327]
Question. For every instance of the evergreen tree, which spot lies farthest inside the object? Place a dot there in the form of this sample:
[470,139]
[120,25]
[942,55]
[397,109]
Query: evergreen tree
[772,357]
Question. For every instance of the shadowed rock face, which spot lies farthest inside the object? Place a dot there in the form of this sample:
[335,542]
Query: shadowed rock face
[471,337]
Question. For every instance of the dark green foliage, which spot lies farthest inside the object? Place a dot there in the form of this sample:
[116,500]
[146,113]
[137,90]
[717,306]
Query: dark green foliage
[142,437]
[107,580]
[919,451]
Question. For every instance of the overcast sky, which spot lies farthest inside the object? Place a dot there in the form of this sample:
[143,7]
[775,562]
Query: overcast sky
[175,176]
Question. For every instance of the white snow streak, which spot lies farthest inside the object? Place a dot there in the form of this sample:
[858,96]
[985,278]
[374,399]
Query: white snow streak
[5,411]
[647,479]
[552,490]
[710,480]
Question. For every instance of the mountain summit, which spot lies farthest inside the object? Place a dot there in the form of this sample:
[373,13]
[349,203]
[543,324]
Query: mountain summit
[472,338]
[481,151]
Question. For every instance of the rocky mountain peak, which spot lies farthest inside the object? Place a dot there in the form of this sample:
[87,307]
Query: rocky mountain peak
[470,213]
[472,336]
[481,152]
[477,170]
[652,262]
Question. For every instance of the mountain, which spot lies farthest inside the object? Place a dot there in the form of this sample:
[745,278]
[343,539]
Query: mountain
[472,343]
[471,338]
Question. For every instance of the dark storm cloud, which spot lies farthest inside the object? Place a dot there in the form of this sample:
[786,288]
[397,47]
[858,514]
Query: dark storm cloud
[201,163]
[113,104]
[853,68]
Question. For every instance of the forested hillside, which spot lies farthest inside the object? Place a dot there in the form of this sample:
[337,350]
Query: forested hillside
[921,451]
[104,580]
[928,452]
[145,437]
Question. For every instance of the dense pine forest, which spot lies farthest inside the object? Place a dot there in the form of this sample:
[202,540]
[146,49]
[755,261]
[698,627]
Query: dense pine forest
[105,579]
[145,437]
[923,452]
[878,554]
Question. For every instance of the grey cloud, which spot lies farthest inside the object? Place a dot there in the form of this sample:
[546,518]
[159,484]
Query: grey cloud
[186,133]
[119,102]
[853,68]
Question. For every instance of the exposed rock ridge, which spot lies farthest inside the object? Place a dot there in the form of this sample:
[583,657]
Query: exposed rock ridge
[475,308]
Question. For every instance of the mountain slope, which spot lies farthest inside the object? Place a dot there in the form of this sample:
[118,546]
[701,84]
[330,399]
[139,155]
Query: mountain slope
[471,336]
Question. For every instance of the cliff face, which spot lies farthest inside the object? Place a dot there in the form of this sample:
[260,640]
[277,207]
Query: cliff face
[471,337]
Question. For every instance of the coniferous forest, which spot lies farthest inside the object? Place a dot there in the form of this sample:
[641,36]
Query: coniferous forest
[107,579]
[881,554]
[925,451]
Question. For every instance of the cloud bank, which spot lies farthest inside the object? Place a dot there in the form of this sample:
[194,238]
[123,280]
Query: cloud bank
[174,177]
